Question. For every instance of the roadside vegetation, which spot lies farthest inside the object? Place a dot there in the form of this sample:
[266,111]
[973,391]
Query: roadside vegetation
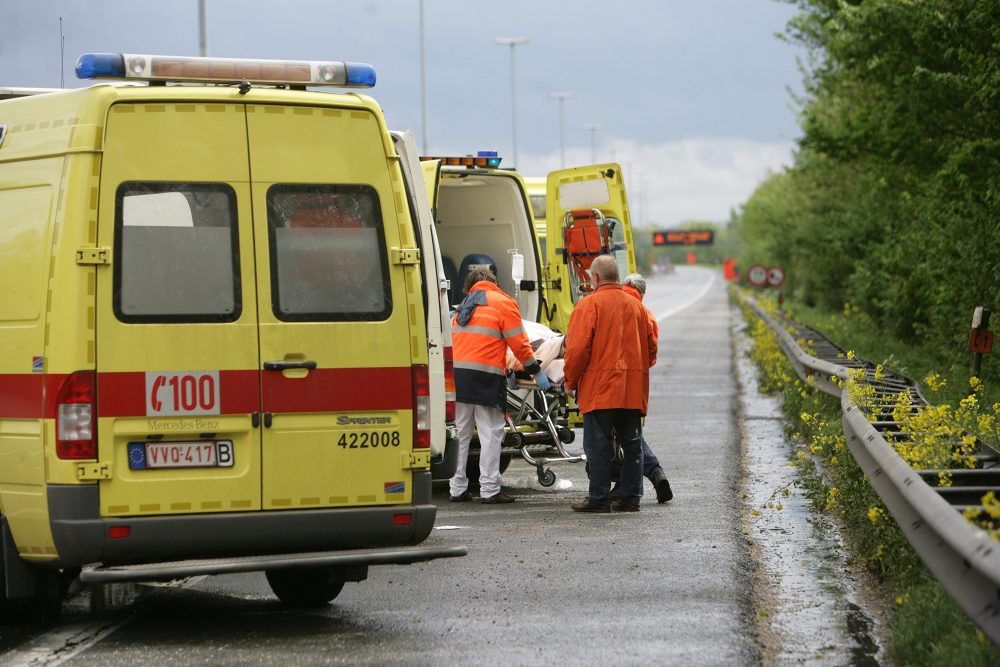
[926,627]
[893,200]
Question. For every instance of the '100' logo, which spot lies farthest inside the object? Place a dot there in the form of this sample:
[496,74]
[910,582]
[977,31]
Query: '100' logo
[182,393]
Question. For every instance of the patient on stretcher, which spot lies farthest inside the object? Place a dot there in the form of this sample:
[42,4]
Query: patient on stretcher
[548,347]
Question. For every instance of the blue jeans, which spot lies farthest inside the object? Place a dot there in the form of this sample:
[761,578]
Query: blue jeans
[597,429]
[650,464]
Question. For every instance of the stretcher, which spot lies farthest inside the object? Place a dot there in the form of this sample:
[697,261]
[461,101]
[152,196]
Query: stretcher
[537,426]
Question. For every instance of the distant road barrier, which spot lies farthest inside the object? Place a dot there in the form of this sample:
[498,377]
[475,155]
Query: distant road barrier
[963,557]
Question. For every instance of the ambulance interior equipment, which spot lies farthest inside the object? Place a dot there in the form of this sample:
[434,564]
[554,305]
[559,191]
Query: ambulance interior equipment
[587,234]
[482,212]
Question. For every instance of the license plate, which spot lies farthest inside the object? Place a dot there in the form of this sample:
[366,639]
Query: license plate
[207,454]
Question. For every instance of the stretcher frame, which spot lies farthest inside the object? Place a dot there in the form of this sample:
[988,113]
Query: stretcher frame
[537,427]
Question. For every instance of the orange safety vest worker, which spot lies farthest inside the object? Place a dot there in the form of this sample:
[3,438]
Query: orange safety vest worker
[480,341]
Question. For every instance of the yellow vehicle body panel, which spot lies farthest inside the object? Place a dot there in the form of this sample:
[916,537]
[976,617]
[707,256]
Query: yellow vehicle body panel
[303,457]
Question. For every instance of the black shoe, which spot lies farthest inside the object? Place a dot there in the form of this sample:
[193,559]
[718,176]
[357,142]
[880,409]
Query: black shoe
[614,493]
[663,492]
[499,498]
[585,506]
[619,506]
[463,497]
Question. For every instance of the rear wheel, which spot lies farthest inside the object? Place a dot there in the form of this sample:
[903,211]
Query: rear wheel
[305,587]
[472,468]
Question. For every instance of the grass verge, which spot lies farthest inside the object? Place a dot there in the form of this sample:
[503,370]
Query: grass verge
[926,628]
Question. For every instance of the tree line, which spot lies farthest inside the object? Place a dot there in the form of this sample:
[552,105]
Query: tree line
[892,204]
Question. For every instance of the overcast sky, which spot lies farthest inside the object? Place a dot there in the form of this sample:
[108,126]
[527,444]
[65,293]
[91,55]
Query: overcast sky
[692,95]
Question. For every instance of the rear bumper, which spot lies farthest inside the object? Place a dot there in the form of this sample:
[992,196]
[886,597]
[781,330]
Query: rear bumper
[81,535]
[352,558]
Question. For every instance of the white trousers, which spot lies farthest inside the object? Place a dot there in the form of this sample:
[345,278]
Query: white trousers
[489,422]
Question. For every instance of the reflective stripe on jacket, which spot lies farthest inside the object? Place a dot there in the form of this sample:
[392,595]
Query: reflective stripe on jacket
[480,346]
[610,346]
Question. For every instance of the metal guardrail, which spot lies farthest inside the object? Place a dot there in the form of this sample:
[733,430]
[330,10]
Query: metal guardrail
[963,557]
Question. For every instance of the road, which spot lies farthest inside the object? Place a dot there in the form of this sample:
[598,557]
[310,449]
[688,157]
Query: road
[541,584]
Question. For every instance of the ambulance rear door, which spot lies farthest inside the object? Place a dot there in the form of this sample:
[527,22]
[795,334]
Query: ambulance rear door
[176,313]
[340,307]
[592,187]
[432,180]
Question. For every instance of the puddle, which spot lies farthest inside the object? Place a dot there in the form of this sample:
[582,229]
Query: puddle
[805,587]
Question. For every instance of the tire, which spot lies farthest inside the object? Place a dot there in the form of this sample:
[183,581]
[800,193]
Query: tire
[305,587]
[472,467]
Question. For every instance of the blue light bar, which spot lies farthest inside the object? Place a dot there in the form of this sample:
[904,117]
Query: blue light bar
[189,69]
[100,65]
[493,158]
[360,74]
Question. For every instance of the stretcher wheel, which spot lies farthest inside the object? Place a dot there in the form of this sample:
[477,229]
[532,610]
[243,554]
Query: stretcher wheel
[546,477]
[566,435]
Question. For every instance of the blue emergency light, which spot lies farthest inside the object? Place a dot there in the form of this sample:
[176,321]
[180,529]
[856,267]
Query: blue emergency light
[224,70]
[493,158]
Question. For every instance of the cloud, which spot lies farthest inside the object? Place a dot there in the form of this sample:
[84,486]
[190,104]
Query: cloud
[690,179]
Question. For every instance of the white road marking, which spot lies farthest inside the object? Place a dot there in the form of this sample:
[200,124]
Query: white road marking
[690,302]
[69,640]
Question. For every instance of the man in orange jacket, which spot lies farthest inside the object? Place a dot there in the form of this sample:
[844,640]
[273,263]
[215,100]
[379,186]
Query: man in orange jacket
[485,324]
[635,285]
[610,346]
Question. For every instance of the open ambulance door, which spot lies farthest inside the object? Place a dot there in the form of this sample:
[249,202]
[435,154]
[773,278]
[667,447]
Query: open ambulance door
[432,178]
[586,215]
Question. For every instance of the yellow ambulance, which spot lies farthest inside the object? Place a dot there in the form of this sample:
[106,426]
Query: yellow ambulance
[223,330]
[485,213]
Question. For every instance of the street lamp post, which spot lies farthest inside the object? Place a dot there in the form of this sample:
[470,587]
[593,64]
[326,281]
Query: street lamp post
[593,127]
[423,81]
[202,29]
[561,96]
[512,42]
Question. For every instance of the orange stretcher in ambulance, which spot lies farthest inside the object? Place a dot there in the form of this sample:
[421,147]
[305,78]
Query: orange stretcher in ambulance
[223,330]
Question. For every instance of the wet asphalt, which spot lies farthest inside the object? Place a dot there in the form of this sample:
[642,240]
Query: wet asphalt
[541,584]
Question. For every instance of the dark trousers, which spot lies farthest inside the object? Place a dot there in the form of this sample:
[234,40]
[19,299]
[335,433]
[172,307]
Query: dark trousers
[650,464]
[626,426]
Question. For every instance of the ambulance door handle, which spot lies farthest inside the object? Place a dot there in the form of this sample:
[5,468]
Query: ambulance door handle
[288,365]
[255,419]
[267,419]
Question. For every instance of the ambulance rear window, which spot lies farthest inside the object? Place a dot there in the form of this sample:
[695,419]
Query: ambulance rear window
[328,256]
[176,253]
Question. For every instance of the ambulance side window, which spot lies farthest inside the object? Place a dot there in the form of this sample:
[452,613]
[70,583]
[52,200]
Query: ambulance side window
[328,256]
[176,253]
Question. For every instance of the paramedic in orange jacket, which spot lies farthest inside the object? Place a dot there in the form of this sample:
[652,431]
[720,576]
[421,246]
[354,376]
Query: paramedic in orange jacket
[485,324]
[610,346]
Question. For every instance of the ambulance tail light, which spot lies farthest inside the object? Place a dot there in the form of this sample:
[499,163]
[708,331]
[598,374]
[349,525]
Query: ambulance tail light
[449,384]
[421,407]
[76,415]
[188,69]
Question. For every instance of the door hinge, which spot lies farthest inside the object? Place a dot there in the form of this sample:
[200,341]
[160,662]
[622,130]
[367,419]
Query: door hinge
[93,471]
[418,459]
[405,255]
[93,255]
